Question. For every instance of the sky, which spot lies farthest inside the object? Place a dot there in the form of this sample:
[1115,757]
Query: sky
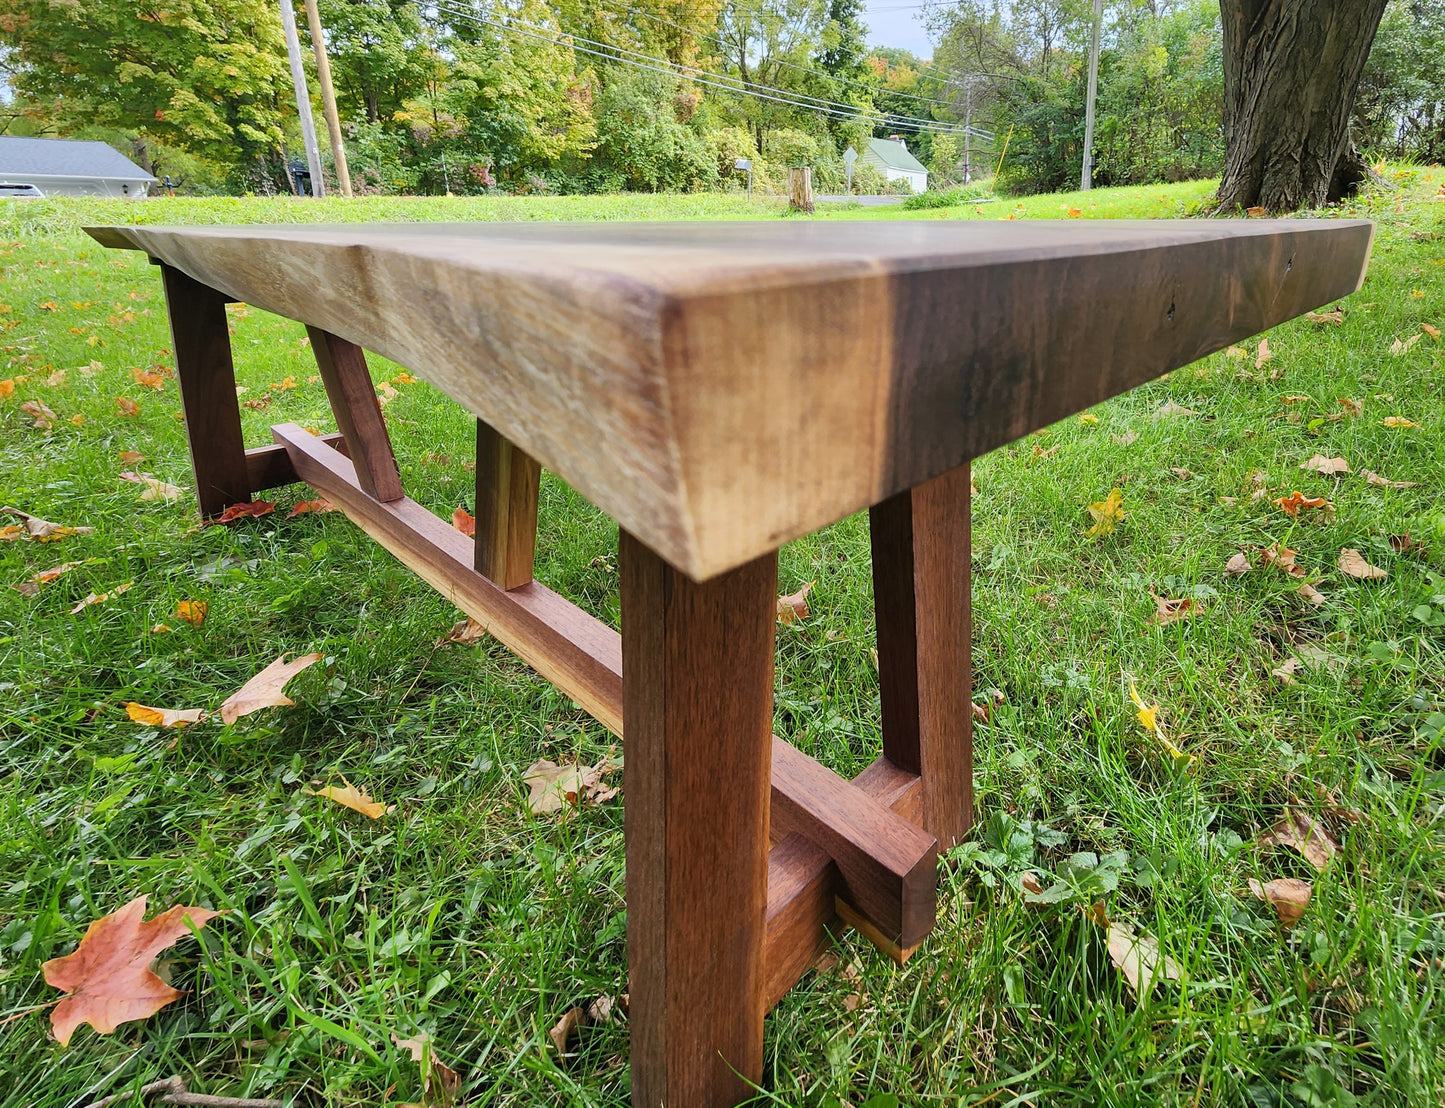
[896,23]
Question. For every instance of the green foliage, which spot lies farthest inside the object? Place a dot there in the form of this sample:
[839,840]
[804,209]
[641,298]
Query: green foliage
[641,141]
[1400,107]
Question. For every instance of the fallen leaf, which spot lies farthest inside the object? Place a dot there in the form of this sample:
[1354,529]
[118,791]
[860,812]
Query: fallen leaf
[1137,957]
[1301,832]
[148,379]
[1106,513]
[164,717]
[462,520]
[465,632]
[1040,452]
[1433,332]
[1296,399]
[1088,417]
[156,489]
[1281,557]
[101,598]
[162,629]
[1256,212]
[403,378]
[1289,895]
[794,606]
[1173,409]
[1336,317]
[1128,438]
[258,403]
[1384,482]
[1030,884]
[1169,611]
[1263,354]
[1397,421]
[349,796]
[1285,670]
[192,611]
[1180,472]
[1400,349]
[1295,501]
[1148,716]
[107,977]
[265,689]
[563,1030]
[40,412]
[439,1082]
[127,406]
[1239,564]
[1312,594]
[245,510]
[1404,544]
[7,388]
[42,530]
[1352,407]
[31,586]
[1353,563]
[301,507]
[1328,466]
[131,457]
[388,394]
[555,787]
[285,384]
[1236,352]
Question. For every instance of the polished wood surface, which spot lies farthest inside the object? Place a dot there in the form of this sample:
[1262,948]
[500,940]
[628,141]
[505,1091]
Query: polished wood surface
[721,388]
[357,410]
[698,696]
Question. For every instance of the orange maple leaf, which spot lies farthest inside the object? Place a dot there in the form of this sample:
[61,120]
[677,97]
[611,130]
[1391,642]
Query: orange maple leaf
[462,520]
[108,978]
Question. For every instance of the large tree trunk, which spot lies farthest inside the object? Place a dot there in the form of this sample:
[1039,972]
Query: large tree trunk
[1291,68]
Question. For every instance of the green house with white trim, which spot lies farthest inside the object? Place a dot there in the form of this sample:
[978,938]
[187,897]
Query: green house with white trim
[890,157]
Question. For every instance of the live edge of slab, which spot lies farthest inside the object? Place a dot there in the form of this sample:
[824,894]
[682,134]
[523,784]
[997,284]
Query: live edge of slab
[722,388]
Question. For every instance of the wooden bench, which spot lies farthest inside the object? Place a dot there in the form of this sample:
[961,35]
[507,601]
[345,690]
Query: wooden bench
[720,389]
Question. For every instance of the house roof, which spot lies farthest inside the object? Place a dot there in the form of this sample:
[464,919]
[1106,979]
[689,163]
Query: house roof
[895,155]
[48,157]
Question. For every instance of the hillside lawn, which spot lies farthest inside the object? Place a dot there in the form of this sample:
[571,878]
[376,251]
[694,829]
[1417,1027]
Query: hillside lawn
[463,916]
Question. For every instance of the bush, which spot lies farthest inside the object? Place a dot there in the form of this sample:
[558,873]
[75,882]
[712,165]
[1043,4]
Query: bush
[900,186]
[641,140]
[947,198]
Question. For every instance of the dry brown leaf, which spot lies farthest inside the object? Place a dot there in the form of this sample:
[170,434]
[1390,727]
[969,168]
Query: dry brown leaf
[349,796]
[1281,557]
[192,611]
[131,457]
[1384,482]
[1263,354]
[107,977]
[1180,472]
[1172,409]
[265,689]
[1137,957]
[1404,544]
[1301,832]
[1031,885]
[301,507]
[465,632]
[1328,466]
[31,586]
[555,787]
[1170,611]
[1128,438]
[1336,317]
[1433,332]
[1312,594]
[563,1030]
[247,509]
[1352,407]
[40,412]
[127,406]
[164,717]
[42,530]
[1352,562]
[794,606]
[1397,421]
[1236,352]
[462,520]
[1297,500]
[1289,895]
[1285,671]
[101,597]
[1237,565]
[1297,399]
[1400,349]
[439,1082]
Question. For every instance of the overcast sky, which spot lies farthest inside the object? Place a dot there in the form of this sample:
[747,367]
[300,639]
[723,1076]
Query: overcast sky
[895,23]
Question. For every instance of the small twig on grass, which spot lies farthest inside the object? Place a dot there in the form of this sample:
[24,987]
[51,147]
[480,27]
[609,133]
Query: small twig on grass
[173,1090]
[28,1011]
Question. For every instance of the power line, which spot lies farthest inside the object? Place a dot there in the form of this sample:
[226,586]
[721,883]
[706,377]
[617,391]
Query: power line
[613,53]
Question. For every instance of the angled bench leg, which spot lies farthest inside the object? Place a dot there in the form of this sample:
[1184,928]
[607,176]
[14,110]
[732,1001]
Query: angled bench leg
[507,485]
[921,602]
[207,378]
[353,399]
[697,678]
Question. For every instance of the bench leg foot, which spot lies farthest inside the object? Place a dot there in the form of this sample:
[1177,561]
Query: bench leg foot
[921,601]
[697,673]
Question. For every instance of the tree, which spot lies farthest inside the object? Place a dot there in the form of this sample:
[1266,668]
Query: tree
[1291,68]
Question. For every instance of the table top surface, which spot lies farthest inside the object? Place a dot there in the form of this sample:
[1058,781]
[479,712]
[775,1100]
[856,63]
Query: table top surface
[721,388]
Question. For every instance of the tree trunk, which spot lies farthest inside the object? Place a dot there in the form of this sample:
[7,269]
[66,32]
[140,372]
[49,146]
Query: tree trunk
[1291,68]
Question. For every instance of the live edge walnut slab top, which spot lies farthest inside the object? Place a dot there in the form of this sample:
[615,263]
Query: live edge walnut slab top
[721,388]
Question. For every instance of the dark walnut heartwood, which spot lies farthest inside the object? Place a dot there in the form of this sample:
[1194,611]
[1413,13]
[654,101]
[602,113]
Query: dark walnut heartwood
[719,389]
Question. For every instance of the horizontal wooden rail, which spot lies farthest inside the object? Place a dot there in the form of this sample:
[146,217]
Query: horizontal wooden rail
[849,849]
[269,467]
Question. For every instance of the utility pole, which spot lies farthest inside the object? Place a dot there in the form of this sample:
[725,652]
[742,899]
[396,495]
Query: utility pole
[967,130]
[328,98]
[1086,176]
[303,100]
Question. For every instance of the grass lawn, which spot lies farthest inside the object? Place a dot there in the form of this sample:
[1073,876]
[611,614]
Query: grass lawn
[463,916]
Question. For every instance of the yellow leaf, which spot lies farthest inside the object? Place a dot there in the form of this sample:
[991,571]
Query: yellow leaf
[1148,716]
[164,717]
[1088,417]
[358,800]
[1106,513]
[100,598]
[1397,421]
[192,611]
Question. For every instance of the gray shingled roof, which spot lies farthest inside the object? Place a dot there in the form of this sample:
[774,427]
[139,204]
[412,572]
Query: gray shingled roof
[20,157]
[895,155]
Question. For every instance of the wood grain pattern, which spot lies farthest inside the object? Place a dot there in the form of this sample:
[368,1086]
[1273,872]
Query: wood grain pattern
[507,486]
[698,694]
[269,466]
[579,654]
[888,867]
[357,410]
[201,341]
[721,388]
[920,544]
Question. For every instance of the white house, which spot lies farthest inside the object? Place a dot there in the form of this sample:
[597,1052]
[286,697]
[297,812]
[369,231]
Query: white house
[70,167]
[891,157]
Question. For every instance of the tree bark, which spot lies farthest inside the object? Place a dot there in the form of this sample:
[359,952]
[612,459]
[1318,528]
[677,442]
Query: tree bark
[1291,68]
